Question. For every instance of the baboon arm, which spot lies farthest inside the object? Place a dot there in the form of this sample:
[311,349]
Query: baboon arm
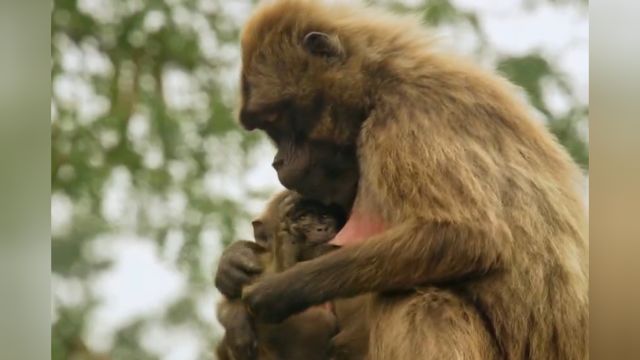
[415,253]
[418,252]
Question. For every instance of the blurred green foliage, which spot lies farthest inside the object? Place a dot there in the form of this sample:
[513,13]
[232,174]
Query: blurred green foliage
[144,88]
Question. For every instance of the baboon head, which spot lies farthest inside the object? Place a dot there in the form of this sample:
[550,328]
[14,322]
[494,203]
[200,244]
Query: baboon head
[296,229]
[302,84]
[314,223]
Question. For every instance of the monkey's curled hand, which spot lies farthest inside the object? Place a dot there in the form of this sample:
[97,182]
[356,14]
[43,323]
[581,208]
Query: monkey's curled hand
[238,266]
[272,299]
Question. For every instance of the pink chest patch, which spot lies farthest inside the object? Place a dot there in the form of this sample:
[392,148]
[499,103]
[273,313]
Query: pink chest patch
[358,228]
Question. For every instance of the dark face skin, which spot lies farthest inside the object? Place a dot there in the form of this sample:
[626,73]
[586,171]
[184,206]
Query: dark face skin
[314,128]
[318,169]
[313,225]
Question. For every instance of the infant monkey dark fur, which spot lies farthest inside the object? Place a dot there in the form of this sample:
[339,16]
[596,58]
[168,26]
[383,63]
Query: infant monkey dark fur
[290,230]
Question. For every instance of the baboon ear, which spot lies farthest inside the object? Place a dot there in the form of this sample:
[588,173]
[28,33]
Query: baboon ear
[321,44]
[259,232]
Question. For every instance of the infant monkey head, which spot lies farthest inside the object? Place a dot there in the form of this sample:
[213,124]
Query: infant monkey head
[296,229]
[313,222]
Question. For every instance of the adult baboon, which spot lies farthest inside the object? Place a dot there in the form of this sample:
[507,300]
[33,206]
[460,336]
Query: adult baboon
[467,224]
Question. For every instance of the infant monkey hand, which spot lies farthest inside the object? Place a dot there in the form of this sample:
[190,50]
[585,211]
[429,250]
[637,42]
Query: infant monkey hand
[238,266]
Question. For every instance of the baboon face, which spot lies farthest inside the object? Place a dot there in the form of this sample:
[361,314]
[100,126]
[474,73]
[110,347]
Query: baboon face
[315,223]
[312,226]
[294,229]
[294,87]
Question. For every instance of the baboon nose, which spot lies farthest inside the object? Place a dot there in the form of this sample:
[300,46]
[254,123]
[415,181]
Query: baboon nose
[277,163]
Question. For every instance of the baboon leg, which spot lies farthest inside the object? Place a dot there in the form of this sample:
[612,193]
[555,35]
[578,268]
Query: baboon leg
[352,341]
[433,324]
[222,352]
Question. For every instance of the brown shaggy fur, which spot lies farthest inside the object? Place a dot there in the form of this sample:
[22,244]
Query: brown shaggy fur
[485,255]
[290,229]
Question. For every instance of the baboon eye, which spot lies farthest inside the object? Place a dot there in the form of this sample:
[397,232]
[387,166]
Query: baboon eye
[321,44]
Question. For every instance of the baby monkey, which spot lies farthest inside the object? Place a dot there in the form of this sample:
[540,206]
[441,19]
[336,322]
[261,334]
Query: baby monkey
[290,230]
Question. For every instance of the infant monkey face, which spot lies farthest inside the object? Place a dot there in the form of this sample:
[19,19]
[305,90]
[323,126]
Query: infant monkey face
[317,228]
[313,225]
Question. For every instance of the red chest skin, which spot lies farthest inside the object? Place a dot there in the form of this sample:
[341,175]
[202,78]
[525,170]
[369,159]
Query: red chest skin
[358,228]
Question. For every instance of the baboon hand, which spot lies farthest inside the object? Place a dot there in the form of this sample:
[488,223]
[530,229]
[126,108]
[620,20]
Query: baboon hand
[274,298]
[238,266]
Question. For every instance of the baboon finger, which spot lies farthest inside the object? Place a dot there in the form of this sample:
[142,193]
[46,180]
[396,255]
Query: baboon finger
[247,262]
